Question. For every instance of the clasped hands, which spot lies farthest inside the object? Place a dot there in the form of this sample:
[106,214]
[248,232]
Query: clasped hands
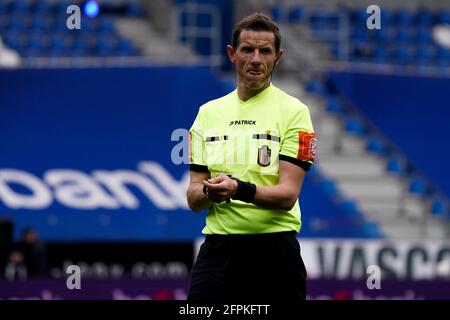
[220,188]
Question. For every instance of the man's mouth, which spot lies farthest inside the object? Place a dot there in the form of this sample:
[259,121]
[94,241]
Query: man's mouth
[255,72]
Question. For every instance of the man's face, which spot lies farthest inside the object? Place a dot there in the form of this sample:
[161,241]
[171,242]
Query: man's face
[254,57]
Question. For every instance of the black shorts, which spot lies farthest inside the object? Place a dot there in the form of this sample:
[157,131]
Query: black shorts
[258,268]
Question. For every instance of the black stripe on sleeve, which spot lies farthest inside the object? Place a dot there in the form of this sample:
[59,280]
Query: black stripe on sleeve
[305,165]
[198,168]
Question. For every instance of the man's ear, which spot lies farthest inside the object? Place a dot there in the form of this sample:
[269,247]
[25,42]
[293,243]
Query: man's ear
[231,54]
[280,55]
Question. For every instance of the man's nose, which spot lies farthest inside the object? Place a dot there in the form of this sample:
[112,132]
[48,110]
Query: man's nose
[256,58]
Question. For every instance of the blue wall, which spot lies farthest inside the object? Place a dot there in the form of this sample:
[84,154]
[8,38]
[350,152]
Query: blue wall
[413,112]
[101,119]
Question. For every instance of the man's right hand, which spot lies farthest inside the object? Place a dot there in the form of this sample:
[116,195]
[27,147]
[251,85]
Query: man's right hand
[220,188]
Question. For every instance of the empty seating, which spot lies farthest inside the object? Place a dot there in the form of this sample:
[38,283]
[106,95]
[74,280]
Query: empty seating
[405,37]
[39,29]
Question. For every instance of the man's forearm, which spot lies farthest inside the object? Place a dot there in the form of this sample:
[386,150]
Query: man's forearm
[275,197]
[197,200]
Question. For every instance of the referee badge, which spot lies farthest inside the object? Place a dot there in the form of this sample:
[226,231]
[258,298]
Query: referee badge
[264,156]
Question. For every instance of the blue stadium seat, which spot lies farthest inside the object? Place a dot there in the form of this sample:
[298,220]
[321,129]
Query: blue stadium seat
[359,35]
[61,42]
[78,53]
[134,9]
[125,48]
[4,22]
[277,12]
[423,18]
[32,53]
[14,40]
[403,17]
[315,87]
[418,186]
[313,170]
[402,55]
[335,50]
[40,22]
[350,207]
[204,20]
[21,6]
[57,52]
[442,60]
[105,25]
[18,22]
[396,166]
[361,52]
[424,36]
[79,44]
[372,230]
[37,41]
[88,26]
[376,145]
[61,6]
[403,36]
[332,22]
[439,208]
[106,45]
[386,17]
[319,28]
[334,105]
[329,188]
[355,126]
[44,7]
[359,16]
[424,55]
[380,55]
[60,24]
[442,55]
[443,17]
[381,36]
[296,14]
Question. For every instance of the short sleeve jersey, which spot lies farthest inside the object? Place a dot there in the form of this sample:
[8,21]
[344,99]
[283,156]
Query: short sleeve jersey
[247,140]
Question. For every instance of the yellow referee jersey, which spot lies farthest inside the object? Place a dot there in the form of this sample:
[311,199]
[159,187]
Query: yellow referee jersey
[247,140]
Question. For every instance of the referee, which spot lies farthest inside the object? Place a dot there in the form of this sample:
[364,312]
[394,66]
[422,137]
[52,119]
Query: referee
[249,152]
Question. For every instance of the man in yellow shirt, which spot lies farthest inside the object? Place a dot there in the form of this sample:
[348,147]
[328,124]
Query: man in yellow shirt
[249,152]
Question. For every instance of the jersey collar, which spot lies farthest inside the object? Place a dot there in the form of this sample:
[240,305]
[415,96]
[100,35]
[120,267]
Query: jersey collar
[258,96]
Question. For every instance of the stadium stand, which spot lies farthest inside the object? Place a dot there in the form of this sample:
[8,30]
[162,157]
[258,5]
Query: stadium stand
[38,29]
[375,123]
[407,36]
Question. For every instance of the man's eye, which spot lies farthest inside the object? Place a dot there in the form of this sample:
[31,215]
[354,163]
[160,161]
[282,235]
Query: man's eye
[246,49]
[265,51]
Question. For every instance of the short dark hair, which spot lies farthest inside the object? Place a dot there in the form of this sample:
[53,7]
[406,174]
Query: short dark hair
[257,22]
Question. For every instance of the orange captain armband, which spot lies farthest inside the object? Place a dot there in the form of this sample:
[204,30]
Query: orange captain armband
[307,143]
